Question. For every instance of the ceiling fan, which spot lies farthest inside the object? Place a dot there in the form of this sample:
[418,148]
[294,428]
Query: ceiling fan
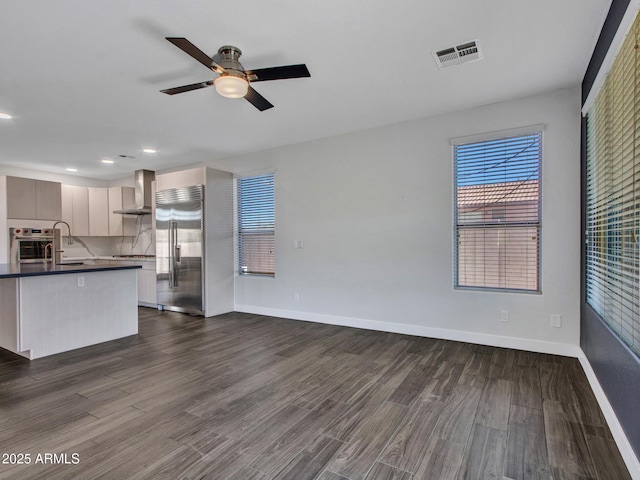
[233,80]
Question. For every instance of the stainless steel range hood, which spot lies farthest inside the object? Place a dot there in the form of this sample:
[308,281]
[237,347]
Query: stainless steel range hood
[143,179]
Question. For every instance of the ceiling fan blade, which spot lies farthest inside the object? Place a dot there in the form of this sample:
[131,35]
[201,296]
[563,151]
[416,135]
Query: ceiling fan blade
[190,49]
[187,88]
[257,100]
[278,73]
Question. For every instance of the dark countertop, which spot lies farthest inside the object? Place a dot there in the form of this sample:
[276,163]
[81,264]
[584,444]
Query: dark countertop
[8,270]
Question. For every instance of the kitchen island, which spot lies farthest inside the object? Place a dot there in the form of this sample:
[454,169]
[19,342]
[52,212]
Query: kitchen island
[47,309]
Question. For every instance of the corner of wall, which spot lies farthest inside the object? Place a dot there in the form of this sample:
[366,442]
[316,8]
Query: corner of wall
[626,450]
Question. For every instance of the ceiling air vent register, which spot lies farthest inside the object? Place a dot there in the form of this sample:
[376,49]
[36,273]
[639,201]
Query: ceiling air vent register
[464,53]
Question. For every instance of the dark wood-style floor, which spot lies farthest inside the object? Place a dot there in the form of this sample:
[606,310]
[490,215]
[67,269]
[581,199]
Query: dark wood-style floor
[245,397]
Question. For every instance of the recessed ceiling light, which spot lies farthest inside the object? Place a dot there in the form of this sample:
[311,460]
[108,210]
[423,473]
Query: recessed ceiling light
[107,160]
[71,169]
[149,150]
[5,116]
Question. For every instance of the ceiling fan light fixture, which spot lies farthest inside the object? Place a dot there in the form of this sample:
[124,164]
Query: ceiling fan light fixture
[231,86]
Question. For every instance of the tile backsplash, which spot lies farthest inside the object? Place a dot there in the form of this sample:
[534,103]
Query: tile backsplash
[143,243]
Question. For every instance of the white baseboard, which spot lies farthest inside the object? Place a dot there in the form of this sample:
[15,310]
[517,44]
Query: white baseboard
[478,338]
[539,346]
[633,464]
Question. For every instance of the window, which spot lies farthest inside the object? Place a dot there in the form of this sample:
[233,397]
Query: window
[497,213]
[256,225]
[613,196]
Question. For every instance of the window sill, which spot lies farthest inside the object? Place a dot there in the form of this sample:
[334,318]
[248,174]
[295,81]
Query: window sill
[497,290]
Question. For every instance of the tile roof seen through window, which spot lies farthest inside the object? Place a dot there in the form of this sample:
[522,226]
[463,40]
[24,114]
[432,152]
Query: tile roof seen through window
[505,192]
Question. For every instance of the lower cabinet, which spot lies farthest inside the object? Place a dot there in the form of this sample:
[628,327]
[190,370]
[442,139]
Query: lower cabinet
[147,285]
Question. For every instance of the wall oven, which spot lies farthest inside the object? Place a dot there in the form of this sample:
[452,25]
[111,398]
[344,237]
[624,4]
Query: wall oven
[29,245]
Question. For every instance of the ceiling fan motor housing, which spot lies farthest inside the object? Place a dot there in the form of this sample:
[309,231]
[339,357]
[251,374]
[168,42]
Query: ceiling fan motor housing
[228,57]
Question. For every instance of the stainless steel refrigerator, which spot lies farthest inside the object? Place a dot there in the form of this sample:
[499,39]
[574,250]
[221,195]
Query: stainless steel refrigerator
[180,249]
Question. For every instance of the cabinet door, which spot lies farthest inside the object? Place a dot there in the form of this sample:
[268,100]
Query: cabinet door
[48,200]
[21,198]
[121,198]
[80,211]
[184,178]
[115,219]
[67,206]
[98,212]
[147,286]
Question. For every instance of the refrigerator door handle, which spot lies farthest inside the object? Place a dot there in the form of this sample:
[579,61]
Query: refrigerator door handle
[174,255]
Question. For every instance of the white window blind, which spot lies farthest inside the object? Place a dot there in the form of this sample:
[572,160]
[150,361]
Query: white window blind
[256,225]
[613,196]
[497,213]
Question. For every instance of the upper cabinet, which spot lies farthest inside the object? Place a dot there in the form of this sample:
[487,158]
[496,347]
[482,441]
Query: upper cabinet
[89,211]
[75,209]
[99,212]
[48,200]
[33,199]
[184,178]
[121,225]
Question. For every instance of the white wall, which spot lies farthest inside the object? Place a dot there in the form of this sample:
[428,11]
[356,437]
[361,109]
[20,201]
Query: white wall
[374,210]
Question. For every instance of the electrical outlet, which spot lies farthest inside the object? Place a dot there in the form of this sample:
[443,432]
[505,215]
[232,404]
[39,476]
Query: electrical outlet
[81,281]
[504,315]
[296,297]
[298,244]
[556,320]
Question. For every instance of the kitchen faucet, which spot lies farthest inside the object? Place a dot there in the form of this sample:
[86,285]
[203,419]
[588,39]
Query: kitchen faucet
[48,246]
[54,256]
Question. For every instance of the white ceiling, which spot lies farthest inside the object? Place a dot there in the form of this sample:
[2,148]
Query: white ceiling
[82,77]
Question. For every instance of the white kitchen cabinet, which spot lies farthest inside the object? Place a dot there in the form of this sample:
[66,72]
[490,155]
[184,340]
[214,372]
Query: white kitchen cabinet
[21,197]
[33,199]
[75,209]
[89,211]
[80,211]
[121,225]
[98,212]
[147,284]
[184,178]
[146,281]
[48,200]
[67,204]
